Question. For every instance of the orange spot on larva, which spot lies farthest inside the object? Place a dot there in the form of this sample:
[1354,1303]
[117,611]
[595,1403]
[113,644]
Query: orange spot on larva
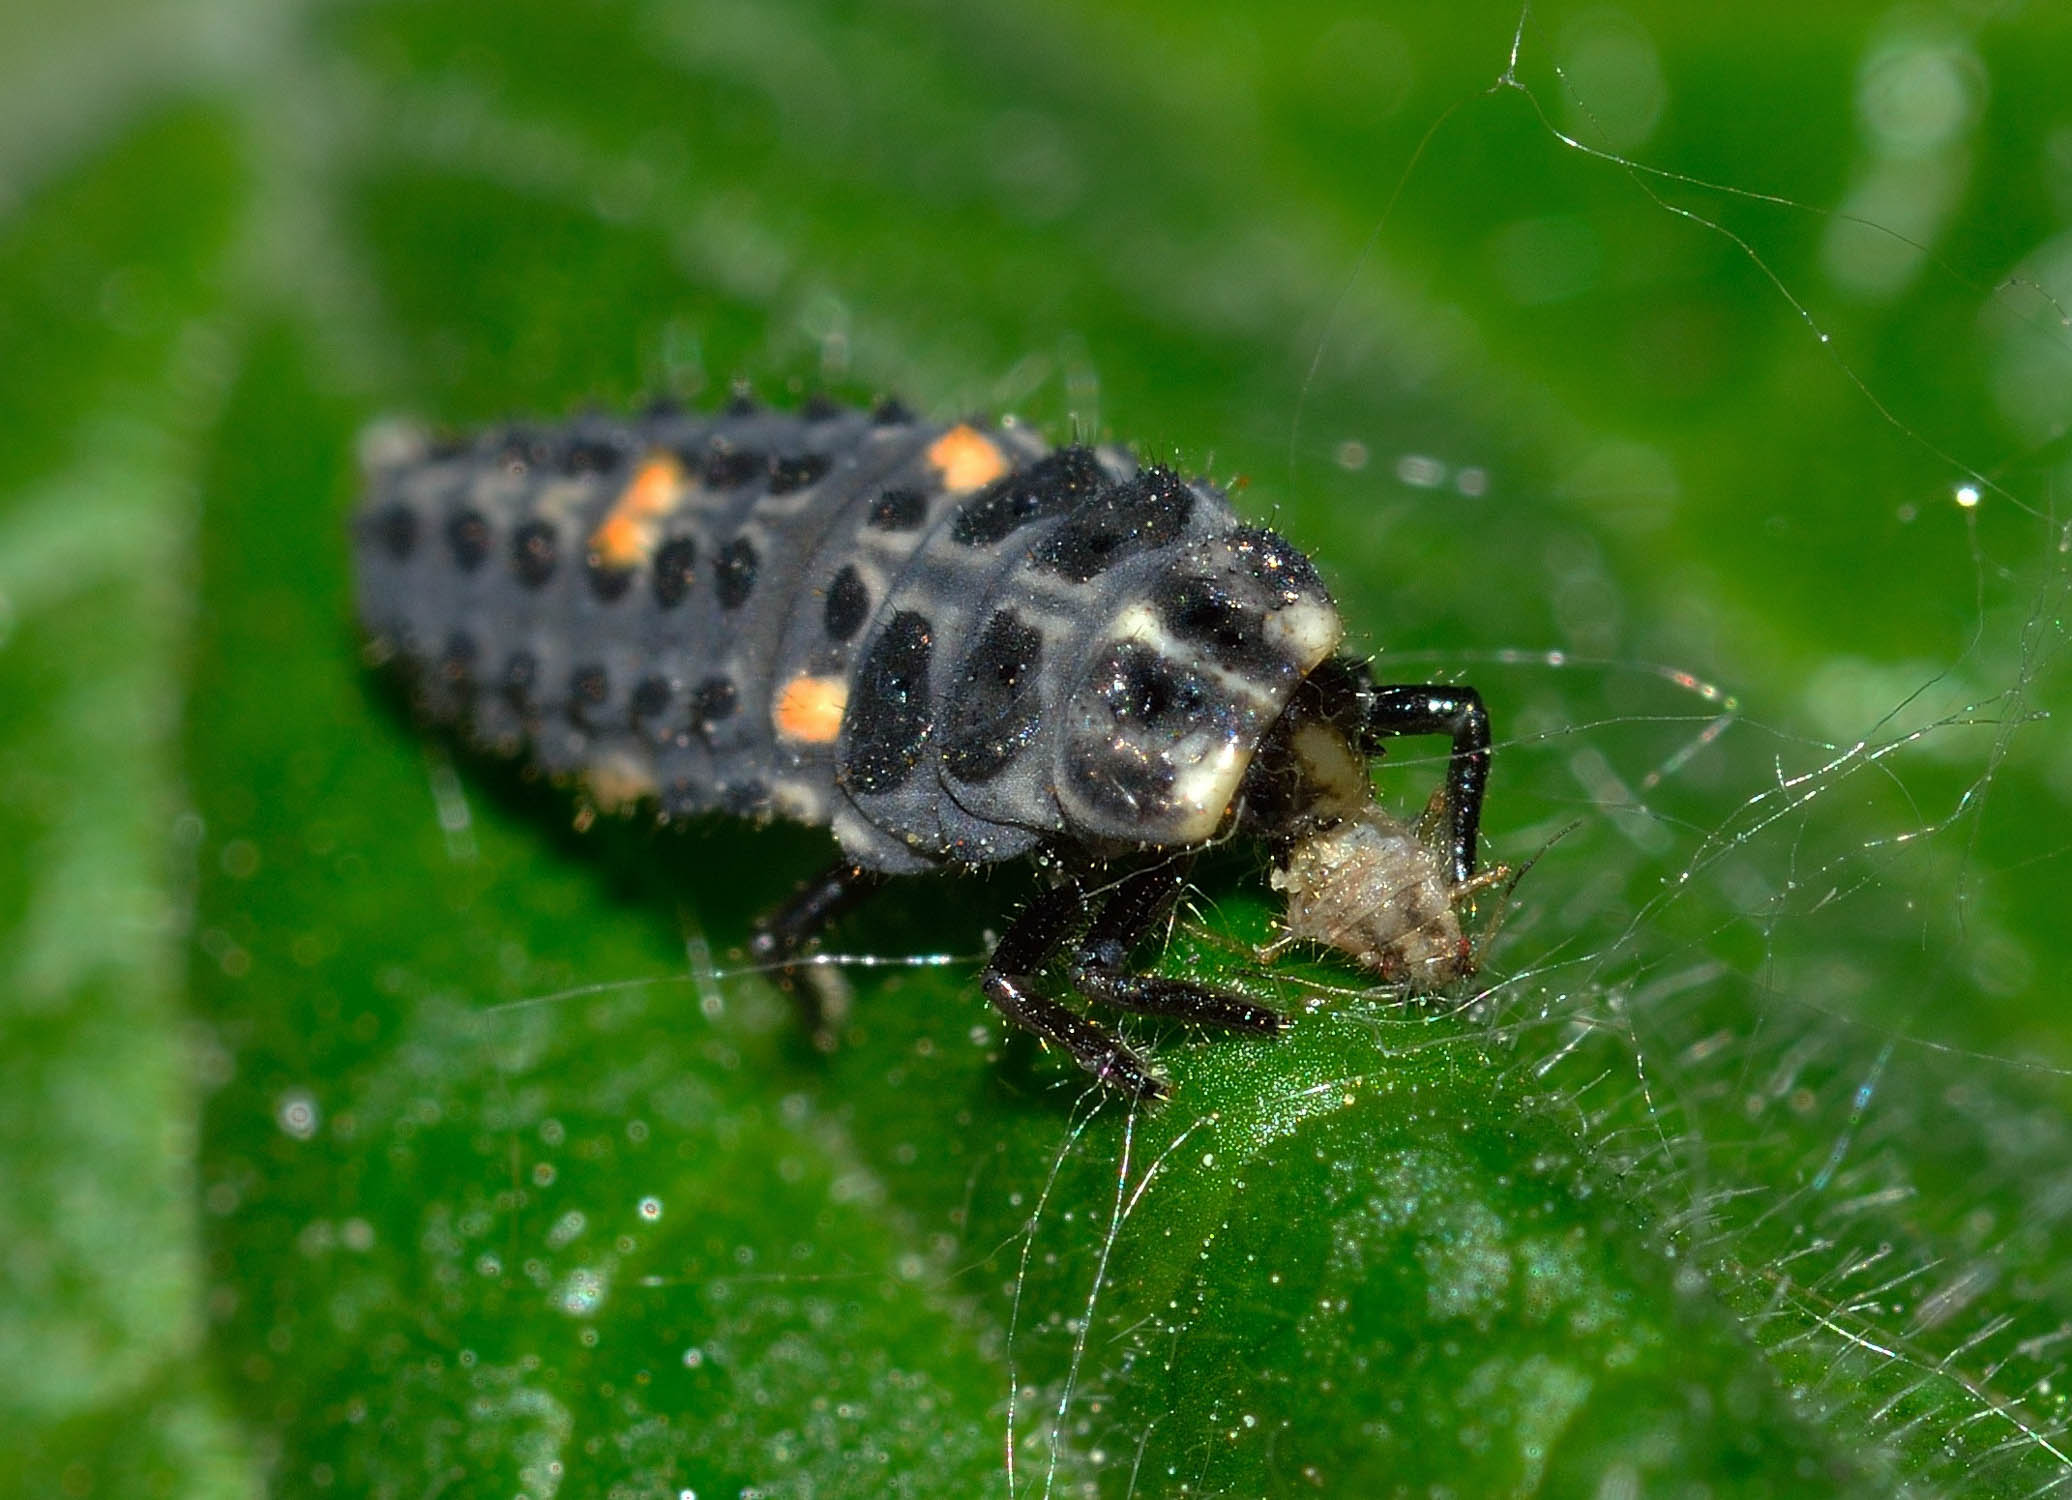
[966,458]
[810,709]
[627,535]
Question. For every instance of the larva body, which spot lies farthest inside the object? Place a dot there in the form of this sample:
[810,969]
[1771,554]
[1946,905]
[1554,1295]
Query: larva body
[949,643]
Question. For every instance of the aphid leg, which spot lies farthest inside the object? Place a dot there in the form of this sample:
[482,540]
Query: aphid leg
[1010,983]
[1100,968]
[782,938]
[1457,712]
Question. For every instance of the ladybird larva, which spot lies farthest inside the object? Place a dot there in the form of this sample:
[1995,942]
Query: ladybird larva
[950,644]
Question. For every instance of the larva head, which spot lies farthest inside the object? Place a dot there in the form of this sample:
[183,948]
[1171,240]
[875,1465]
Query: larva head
[1186,679]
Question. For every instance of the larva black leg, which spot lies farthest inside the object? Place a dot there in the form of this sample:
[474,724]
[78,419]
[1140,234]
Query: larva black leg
[1437,708]
[782,938]
[1010,983]
[1100,970]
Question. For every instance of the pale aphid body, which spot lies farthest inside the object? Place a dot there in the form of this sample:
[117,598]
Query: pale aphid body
[1367,887]
[950,644]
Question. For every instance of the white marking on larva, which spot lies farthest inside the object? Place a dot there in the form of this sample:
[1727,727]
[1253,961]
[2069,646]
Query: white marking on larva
[799,801]
[1205,788]
[619,778]
[1304,632]
[1330,764]
[561,499]
[392,444]
[850,829]
[1139,623]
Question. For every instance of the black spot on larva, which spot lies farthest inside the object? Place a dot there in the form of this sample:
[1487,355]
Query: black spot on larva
[662,406]
[650,699]
[535,548]
[1120,782]
[467,535]
[712,702]
[395,528]
[1123,758]
[457,661]
[588,686]
[1148,511]
[891,412]
[992,711]
[521,675]
[741,403]
[519,447]
[848,603]
[887,720]
[607,582]
[447,445]
[745,799]
[1276,564]
[676,568]
[898,510]
[820,407]
[725,467]
[733,572]
[1203,613]
[585,455]
[1057,483]
[797,472]
[1143,689]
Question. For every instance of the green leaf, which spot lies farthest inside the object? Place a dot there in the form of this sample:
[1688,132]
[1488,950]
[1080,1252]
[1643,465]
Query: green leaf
[113,374]
[1695,391]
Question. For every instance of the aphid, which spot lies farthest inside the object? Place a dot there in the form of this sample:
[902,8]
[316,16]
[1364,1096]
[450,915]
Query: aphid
[951,645]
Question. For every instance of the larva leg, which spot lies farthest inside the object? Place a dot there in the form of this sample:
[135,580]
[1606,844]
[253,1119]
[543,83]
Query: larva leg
[1456,712]
[1010,983]
[784,936]
[1100,969]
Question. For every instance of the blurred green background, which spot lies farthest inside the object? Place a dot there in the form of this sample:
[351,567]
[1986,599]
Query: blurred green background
[1694,382]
